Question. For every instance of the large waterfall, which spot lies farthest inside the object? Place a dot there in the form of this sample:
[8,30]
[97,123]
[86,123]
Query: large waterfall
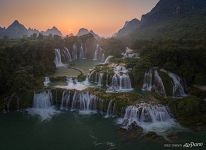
[96,52]
[84,102]
[82,52]
[150,117]
[153,82]
[120,81]
[110,109]
[107,59]
[74,52]
[42,105]
[178,88]
[58,58]
[67,55]
[62,57]
[100,79]
[158,84]
[147,85]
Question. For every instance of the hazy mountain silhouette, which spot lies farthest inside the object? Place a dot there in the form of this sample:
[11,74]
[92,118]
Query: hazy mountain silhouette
[128,28]
[172,19]
[18,30]
[84,31]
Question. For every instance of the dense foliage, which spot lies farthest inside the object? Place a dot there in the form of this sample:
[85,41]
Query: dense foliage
[183,57]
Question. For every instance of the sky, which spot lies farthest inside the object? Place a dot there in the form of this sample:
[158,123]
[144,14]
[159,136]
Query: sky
[104,17]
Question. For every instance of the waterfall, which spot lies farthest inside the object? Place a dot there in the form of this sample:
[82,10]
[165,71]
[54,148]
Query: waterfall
[42,100]
[74,52]
[120,81]
[81,53]
[153,82]
[107,59]
[110,109]
[67,55]
[150,117]
[46,81]
[158,84]
[83,101]
[178,88]
[125,82]
[103,57]
[66,98]
[42,105]
[96,53]
[100,79]
[86,82]
[147,85]
[58,59]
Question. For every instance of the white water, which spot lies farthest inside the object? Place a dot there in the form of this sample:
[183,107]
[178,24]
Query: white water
[153,82]
[147,85]
[86,82]
[100,79]
[178,88]
[151,118]
[107,59]
[74,52]
[84,102]
[46,81]
[58,59]
[110,109]
[96,52]
[120,81]
[82,53]
[158,84]
[67,55]
[42,105]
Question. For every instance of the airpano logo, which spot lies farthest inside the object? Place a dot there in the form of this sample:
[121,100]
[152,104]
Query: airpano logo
[193,144]
[189,145]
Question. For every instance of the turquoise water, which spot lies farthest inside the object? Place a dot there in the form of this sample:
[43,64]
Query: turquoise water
[71,131]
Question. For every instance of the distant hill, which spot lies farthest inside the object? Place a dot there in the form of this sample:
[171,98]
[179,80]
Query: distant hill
[84,31]
[173,19]
[52,31]
[128,28]
[18,30]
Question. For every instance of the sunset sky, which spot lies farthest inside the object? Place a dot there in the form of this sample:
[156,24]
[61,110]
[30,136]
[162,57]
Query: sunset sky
[104,17]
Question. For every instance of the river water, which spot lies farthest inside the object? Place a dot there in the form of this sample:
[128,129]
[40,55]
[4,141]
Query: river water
[71,131]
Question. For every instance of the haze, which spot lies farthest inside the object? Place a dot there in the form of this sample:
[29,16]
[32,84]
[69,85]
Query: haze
[104,17]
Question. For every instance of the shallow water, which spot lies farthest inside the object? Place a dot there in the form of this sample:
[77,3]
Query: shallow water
[71,131]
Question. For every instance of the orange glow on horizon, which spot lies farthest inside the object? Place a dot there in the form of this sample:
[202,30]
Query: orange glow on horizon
[104,17]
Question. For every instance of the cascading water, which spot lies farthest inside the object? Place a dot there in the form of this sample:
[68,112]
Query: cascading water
[110,109]
[125,82]
[103,57]
[58,59]
[100,79]
[151,118]
[81,53]
[158,84]
[120,81]
[178,88]
[67,55]
[96,52]
[107,59]
[74,52]
[66,99]
[86,82]
[42,105]
[153,82]
[46,81]
[85,102]
[147,85]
